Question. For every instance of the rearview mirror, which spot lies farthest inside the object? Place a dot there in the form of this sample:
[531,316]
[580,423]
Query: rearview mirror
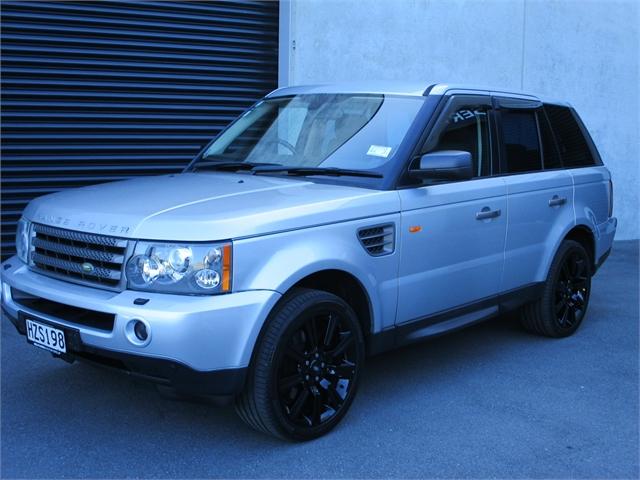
[444,164]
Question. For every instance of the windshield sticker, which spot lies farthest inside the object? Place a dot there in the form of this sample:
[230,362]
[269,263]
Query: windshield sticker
[379,151]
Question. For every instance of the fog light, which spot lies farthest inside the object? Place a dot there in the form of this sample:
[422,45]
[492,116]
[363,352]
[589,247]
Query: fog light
[138,332]
[140,329]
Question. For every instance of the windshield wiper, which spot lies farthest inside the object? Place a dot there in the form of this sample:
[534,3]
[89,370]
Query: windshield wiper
[265,167]
[303,171]
[231,166]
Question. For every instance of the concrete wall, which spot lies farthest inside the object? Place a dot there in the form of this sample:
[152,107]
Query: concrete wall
[583,51]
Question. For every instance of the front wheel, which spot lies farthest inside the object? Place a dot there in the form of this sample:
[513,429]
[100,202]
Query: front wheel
[306,368]
[563,305]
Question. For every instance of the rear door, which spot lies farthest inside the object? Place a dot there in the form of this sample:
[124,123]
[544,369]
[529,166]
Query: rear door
[450,255]
[591,179]
[539,191]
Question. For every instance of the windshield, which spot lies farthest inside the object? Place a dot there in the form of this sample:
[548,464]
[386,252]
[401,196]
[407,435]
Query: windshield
[345,131]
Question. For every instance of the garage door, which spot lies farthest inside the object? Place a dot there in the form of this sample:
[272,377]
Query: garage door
[100,91]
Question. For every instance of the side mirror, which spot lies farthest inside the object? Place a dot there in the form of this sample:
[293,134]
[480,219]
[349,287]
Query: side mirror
[444,164]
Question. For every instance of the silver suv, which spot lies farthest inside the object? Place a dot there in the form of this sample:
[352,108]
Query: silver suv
[325,224]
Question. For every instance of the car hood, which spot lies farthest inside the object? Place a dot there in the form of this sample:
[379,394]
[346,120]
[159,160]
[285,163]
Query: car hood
[206,206]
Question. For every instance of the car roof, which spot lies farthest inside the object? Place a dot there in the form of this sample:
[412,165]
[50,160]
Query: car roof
[417,89]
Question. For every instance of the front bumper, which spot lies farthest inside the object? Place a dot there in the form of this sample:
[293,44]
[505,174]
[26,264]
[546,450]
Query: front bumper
[197,344]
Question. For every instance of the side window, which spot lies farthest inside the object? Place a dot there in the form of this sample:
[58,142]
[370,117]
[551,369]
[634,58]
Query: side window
[550,153]
[468,130]
[520,141]
[573,146]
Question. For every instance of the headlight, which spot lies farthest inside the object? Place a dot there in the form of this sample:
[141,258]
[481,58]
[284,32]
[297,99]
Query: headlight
[195,269]
[23,236]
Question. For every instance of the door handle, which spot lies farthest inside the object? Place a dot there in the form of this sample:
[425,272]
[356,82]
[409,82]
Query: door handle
[486,213]
[556,201]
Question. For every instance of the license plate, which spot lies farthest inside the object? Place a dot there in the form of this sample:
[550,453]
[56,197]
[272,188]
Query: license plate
[46,337]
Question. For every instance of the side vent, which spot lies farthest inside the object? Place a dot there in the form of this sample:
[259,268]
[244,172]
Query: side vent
[378,240]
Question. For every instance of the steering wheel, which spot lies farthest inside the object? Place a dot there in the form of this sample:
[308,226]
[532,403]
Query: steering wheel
[284,143]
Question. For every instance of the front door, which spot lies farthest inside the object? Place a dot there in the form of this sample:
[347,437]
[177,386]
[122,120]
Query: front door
[452,234]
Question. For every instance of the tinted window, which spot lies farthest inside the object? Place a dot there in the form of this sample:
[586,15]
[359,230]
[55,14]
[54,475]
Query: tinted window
[468,130]
[571,142]
[520,139]
[550,153]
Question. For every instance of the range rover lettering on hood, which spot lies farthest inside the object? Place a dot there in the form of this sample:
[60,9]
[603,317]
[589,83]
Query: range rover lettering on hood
[84,225]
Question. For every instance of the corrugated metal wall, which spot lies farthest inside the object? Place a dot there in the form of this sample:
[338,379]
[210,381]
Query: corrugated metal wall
[98,91]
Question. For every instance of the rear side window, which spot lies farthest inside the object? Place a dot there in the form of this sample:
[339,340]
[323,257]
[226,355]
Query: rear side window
[550,153]
[573,147]
[520,141]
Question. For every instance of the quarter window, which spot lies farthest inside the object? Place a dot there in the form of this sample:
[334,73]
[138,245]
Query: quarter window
[520,140]
[573,147]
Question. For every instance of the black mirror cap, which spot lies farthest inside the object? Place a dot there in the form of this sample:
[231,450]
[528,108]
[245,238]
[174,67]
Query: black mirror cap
[444,165]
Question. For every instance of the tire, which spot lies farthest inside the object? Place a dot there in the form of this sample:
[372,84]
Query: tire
[306,367]
[563,305]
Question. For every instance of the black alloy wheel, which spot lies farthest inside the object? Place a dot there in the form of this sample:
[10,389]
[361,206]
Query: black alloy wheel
[316,368]
[306,368]
[572,290]
[565,297]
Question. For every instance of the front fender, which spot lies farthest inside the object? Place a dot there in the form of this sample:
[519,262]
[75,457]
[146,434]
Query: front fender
[277,262]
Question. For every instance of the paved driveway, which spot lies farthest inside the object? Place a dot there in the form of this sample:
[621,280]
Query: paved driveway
[489,401]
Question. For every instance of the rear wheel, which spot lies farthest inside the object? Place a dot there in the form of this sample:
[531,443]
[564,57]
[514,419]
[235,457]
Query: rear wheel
[563,305]
[306,369]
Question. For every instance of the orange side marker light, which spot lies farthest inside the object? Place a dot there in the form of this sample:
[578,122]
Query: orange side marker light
[226,268]
[415,229]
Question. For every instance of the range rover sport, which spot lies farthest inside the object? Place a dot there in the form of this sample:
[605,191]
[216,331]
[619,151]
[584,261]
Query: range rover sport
[325,224]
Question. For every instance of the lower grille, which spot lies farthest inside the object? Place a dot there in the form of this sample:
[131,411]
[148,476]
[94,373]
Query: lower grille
[81,316]
[80,257]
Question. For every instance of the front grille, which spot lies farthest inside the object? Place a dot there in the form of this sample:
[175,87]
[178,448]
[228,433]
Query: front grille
[81,257]
[378,240]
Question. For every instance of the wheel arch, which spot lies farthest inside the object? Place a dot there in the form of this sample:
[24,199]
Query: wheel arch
[332,280]
[581,233]
[346,286]
[585,237]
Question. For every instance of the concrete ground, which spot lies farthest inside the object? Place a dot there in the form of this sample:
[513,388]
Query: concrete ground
[489,401]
